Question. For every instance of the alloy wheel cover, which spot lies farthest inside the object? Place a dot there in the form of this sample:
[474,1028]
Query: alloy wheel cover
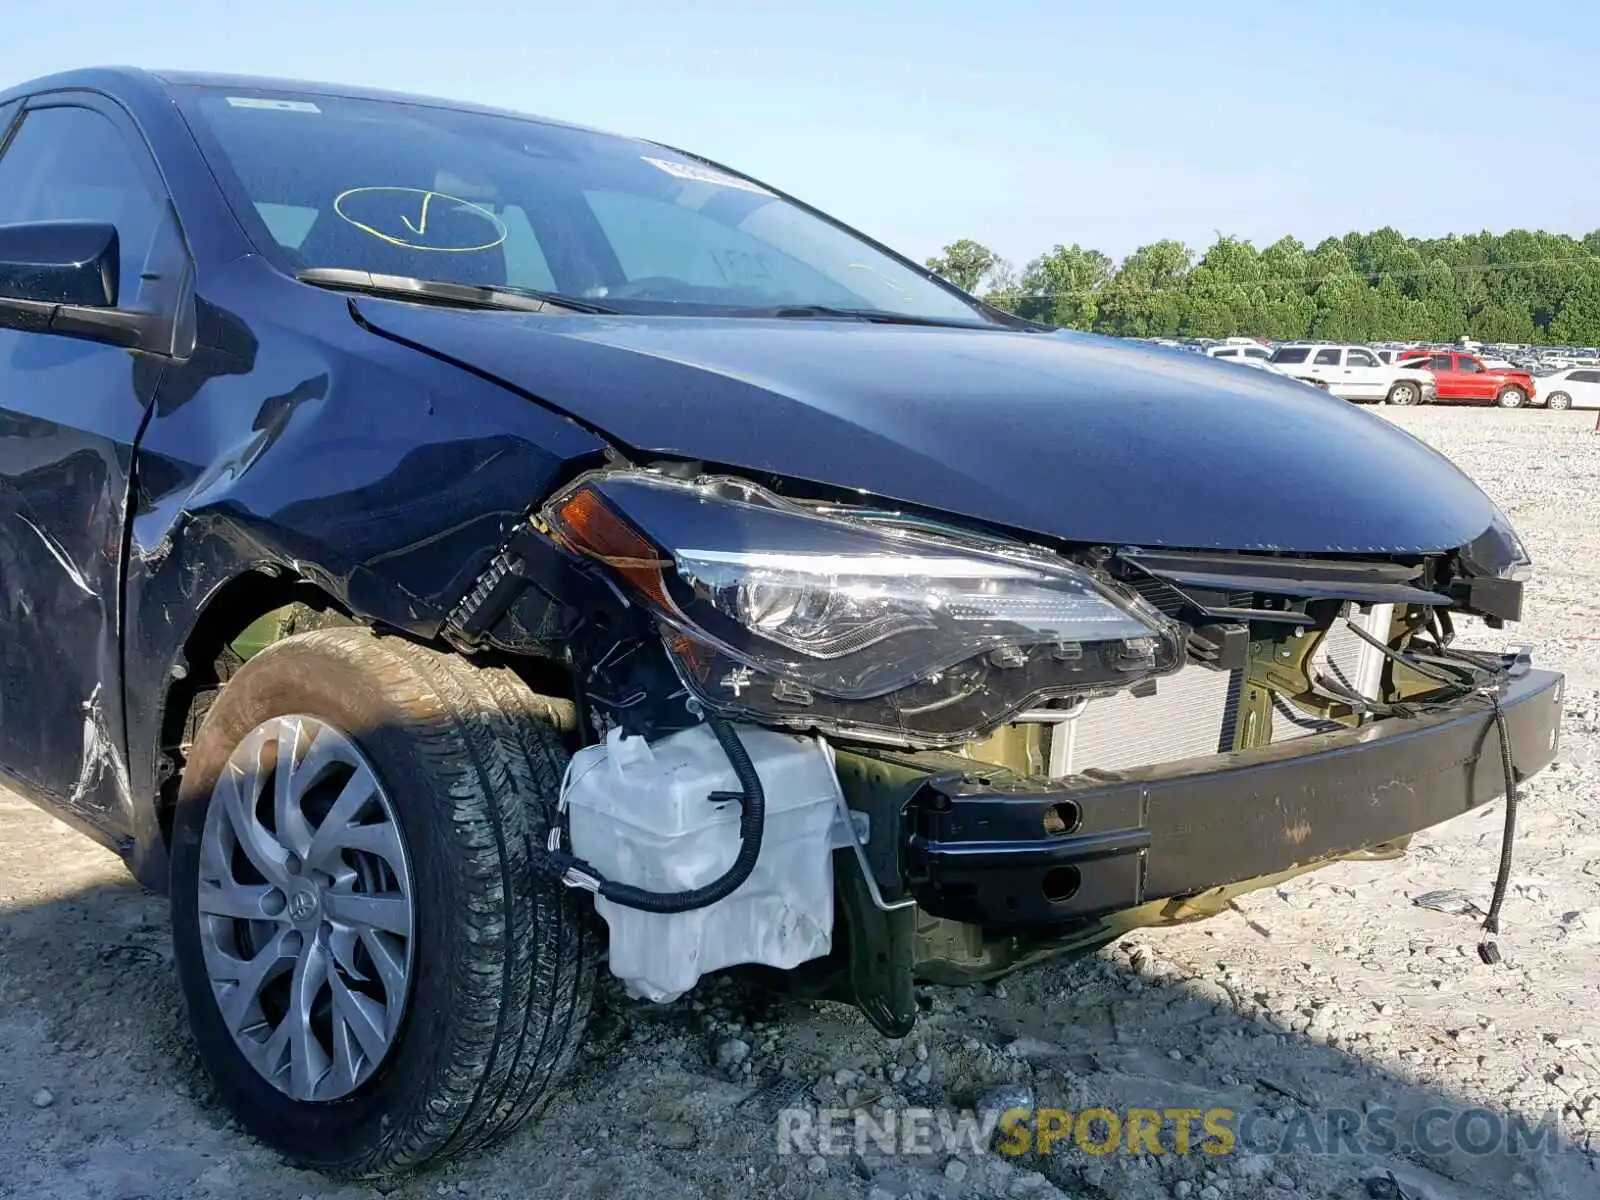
[306,908]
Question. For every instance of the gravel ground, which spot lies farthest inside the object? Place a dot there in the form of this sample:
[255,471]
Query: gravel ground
[1332,991]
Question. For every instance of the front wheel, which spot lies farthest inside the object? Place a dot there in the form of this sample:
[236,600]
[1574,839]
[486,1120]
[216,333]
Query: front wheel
[1559,401]
[1512,397]
[375,971]
[1404,394]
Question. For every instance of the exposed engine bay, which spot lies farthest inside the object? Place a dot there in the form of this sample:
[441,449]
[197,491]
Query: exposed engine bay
[958,736]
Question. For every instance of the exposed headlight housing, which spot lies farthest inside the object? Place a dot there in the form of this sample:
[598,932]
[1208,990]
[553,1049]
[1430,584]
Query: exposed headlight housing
[781,614]
[1497,552]
[1492,569]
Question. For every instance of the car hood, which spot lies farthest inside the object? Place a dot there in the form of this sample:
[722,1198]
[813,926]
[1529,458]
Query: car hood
[1082,438]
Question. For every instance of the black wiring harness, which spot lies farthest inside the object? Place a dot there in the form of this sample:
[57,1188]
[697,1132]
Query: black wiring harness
[1460,673]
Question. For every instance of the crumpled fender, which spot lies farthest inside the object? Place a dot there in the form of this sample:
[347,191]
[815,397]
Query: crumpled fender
[312,450]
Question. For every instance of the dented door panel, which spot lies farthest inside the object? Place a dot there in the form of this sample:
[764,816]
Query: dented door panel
[72,409]
[69,414]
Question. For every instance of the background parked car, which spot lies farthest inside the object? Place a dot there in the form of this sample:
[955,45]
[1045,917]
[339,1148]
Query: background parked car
[1576,387]
[1355,373]
[1261,364]
[1463,378]
[1240,350]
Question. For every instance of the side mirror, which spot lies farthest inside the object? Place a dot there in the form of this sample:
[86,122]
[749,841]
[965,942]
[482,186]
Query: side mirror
[60,262]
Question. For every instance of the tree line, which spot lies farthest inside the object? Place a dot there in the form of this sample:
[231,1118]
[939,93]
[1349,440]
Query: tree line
[1521,286]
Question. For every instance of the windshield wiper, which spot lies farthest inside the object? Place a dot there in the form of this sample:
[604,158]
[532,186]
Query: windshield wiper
[876,316]
[439,291]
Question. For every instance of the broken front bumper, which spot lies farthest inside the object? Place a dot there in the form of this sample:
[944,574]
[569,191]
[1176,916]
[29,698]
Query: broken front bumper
[1003,852]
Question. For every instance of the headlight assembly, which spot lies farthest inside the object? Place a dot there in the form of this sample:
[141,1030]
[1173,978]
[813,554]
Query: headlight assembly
[1497,552]
[1492,568]
[784,615]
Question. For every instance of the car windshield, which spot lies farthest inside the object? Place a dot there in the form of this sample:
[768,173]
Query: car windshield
[396,188]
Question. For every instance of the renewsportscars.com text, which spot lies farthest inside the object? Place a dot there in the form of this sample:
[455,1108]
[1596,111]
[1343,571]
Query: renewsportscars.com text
[1181,1131]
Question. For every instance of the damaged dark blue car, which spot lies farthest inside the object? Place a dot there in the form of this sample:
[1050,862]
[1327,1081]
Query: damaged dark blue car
[443,549]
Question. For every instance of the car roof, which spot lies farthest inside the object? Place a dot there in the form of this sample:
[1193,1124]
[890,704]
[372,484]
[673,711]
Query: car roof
[137,78]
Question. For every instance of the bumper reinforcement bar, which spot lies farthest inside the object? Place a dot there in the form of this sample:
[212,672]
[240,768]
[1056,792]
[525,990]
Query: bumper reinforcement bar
[1032,852]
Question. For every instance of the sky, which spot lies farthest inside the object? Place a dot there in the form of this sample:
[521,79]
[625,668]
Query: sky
[1022,124]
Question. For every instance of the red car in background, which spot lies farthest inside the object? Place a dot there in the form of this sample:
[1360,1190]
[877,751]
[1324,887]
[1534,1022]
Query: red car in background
[1462,378]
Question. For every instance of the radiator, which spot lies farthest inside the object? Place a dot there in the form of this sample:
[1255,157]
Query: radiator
[1344,657]
[1193,712]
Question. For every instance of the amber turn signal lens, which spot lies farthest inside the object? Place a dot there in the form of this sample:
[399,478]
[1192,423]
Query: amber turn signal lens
[585,523]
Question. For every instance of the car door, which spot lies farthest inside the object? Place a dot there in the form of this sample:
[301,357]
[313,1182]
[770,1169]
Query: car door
[1468,373]
[71,408]
[1364,376]
[1327,369]
[1446,379]
[1486,381]
[1291,360]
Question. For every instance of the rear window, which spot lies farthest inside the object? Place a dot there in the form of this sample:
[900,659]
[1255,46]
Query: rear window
[1425,362]
[1291,354]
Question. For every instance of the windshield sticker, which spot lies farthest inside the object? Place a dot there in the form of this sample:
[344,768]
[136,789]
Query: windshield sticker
[698,174]
[419,219]
[300,106]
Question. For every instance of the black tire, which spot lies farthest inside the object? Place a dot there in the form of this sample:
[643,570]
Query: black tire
[1559,401]
[505,955]
[1404,394]
[1511,397]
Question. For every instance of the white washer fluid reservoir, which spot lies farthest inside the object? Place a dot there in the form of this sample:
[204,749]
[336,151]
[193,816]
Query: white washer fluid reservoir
[639,814]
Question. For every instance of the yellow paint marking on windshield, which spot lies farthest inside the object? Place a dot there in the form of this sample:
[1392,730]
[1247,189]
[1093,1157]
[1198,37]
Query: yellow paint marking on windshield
[402,198]
[422,228]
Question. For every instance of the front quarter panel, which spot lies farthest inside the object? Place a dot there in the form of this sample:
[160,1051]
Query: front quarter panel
[302,444]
